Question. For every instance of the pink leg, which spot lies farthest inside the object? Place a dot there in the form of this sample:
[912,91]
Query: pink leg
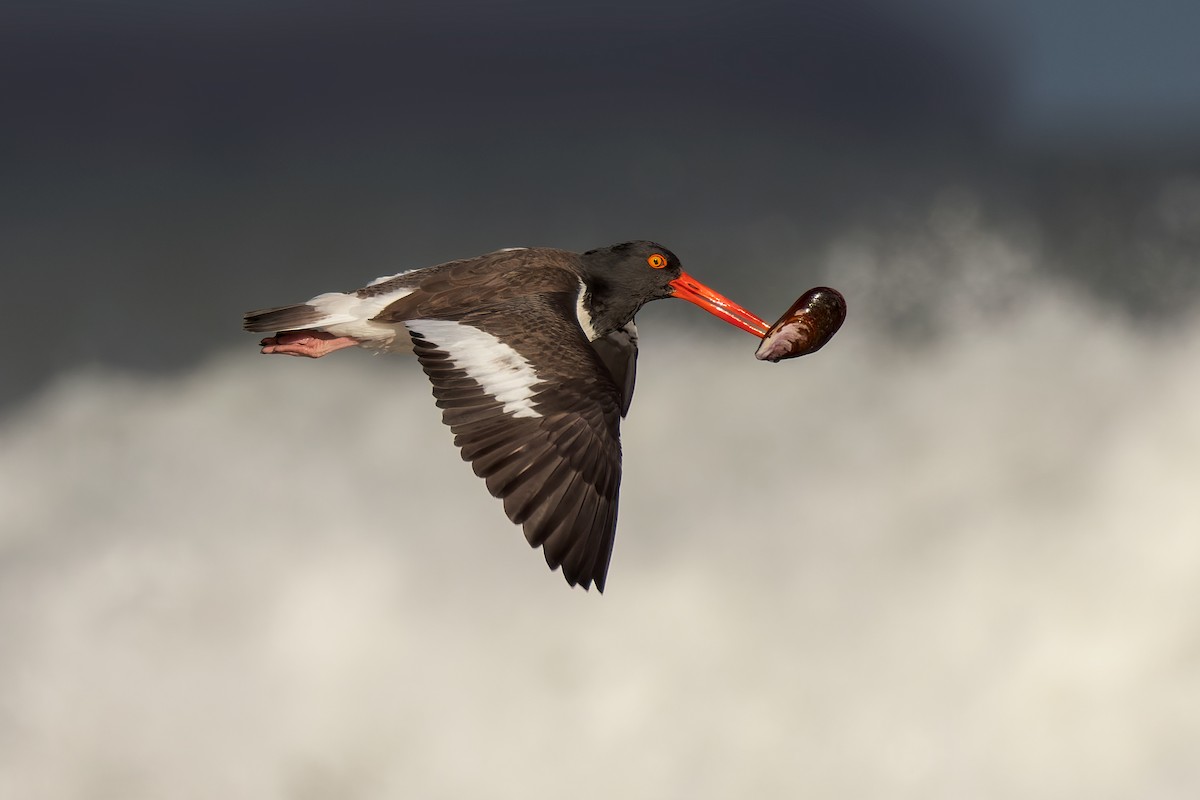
[312,344]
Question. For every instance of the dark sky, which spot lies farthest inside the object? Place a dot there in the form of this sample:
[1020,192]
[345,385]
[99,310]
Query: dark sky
[240,76]
[1119,69]
[167,165]
[1122,71]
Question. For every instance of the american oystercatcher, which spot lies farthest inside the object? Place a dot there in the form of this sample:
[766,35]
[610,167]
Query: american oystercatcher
[532,355]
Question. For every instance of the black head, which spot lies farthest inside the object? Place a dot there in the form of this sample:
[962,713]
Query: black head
[622,278]
[642,269]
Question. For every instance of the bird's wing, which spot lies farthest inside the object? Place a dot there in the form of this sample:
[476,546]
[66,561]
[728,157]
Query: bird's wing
[543,432]
[619,351]
[487,281]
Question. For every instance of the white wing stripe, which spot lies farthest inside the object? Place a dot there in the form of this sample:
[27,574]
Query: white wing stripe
[500,371]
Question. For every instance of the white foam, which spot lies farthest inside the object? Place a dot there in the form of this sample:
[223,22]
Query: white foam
[961,569]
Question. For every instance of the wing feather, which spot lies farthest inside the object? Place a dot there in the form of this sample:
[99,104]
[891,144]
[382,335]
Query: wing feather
[557,466]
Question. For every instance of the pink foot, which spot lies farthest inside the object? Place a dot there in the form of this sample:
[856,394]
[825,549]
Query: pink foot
[312,344]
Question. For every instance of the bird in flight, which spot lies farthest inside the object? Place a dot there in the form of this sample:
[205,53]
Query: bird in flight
[532,355]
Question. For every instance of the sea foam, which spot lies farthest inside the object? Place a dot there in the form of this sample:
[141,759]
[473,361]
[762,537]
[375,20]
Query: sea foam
[963,566]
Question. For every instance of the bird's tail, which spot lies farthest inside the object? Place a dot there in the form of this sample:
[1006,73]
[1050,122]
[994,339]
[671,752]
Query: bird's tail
[283,318]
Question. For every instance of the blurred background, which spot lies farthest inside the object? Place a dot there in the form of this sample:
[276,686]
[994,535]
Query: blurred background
[952,554]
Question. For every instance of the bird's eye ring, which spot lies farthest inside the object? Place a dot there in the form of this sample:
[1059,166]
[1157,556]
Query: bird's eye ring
[658,261]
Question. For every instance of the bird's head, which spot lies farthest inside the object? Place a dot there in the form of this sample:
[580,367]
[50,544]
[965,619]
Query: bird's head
[624,277]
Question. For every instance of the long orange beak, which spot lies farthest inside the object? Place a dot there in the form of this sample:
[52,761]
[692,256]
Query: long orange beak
[688,288]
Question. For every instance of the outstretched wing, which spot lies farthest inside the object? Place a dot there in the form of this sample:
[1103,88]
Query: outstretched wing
[536,412]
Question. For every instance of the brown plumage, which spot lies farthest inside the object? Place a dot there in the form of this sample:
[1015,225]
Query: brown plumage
[532,356]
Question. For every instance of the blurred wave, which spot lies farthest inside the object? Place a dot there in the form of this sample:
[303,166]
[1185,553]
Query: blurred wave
[956,564]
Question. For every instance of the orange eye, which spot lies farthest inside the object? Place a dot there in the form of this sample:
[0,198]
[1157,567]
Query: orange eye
[658,261]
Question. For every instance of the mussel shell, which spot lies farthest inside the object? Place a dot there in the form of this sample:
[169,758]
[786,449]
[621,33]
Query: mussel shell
[806,327]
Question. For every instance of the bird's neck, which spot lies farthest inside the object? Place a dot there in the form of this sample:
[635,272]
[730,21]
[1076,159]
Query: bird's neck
[600,313]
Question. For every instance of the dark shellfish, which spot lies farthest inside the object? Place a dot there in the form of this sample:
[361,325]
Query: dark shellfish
[806,327]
